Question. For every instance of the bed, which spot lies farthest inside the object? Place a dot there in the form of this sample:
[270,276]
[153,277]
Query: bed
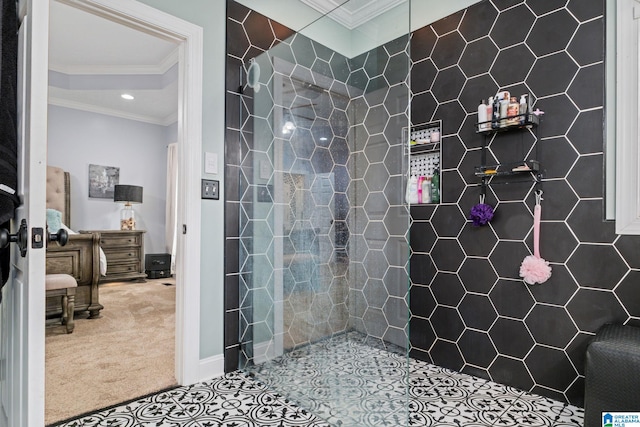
[80,257]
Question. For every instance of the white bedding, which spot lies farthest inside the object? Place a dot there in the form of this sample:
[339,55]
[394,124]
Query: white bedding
[103,258]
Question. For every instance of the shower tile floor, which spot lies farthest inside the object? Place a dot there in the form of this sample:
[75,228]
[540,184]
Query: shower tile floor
[340,382]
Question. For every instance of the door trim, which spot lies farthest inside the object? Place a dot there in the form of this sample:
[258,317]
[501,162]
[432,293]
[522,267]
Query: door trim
[189,37]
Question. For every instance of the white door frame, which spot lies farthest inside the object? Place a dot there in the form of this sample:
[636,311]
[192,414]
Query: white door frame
[189,37]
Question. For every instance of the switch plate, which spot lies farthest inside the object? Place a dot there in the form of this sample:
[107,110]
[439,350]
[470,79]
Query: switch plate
[210,189]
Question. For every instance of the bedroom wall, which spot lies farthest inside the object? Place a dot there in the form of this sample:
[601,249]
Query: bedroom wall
[79,138]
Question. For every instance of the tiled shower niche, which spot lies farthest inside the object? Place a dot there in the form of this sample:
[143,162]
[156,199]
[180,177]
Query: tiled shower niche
[423,152]
[321,220]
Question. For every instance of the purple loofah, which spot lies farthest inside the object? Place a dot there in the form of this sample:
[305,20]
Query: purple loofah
[481,214]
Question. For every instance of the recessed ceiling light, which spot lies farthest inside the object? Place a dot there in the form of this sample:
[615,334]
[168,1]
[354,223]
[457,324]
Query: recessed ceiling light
[126,96]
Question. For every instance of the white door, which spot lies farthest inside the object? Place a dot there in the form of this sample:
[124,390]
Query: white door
[23,303]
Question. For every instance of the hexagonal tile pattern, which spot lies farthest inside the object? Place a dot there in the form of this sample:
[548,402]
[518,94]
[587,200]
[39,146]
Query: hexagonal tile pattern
[477,19]
[475,89]
[447,255]
[477,348]
[507,257]
[512,221]
[447,50]
[512,65]
[511,371]
[477,275]
[448,221]
[627,292]
[511,298]
[539,81]
[512,26]
[477,241]
[597,266]
[558,289]
[591,308]
[469,59]
[447,354]
[477,312]
[447,289]
[447,323]
[448,84]
[551,325]
[511,337]
[589,34]
[559,377]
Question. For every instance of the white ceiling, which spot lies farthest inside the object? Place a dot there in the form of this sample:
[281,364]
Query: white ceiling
[92,61]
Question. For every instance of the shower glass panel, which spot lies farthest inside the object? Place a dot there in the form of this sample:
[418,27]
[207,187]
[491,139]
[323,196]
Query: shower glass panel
[323,224]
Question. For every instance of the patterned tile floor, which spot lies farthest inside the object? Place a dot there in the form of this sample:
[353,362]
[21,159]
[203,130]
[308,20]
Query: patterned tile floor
[340,382]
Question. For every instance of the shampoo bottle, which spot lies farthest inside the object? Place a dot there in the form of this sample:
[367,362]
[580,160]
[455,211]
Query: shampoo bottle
[523,108]
[411,194]
[513,111]
[482,115]
[504,107]
[489,116]
[426,190]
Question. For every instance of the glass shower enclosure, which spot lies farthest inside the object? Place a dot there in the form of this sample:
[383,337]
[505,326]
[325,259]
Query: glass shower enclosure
[323,224]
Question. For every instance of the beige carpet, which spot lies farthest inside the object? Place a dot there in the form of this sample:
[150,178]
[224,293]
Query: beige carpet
[126,353]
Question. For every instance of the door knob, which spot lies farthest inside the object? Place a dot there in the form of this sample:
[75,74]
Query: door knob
[62,237]
[20,238]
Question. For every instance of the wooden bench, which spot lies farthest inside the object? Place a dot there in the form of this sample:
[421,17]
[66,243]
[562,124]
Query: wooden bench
[63,286]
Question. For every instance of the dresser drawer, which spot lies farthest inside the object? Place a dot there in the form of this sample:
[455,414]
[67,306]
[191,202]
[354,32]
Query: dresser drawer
[122,255]
[123,268]
[118,241]
[124,251]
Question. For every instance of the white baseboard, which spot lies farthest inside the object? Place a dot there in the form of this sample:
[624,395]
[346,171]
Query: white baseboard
[211,367]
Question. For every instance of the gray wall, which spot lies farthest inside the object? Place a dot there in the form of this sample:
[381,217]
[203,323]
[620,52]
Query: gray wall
[79,138]
[210,15]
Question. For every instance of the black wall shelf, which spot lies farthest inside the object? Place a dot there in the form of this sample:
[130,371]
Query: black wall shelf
[509,123]
[486,172]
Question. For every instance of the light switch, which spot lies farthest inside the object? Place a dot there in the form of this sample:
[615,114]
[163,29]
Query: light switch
[210,189]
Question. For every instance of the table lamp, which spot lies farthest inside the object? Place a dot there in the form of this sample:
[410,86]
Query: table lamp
[128,194]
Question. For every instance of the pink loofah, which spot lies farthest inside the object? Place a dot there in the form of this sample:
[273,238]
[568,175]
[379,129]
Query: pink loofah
[534,269]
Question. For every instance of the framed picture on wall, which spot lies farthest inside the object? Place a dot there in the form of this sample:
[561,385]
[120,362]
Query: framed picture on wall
[102,180]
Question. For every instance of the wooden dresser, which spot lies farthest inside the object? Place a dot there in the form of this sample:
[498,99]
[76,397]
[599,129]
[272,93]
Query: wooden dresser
[125,254]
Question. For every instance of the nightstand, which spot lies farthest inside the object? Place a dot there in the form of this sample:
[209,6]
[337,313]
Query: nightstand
[124,250]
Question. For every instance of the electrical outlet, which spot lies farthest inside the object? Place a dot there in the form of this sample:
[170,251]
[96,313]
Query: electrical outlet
[210,189]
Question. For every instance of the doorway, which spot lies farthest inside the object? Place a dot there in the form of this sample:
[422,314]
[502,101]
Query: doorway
[143,19]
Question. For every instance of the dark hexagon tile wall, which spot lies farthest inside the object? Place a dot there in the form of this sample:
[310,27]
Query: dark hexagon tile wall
[539,332]
[357,129]
[563,47]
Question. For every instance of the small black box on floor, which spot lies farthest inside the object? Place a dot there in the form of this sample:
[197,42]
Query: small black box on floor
[157,265]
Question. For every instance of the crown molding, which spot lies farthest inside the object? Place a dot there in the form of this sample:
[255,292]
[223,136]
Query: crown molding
[352,18]
[166,121]
[160,68]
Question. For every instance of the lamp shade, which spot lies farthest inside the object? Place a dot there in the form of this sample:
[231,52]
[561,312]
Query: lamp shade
[127,193]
